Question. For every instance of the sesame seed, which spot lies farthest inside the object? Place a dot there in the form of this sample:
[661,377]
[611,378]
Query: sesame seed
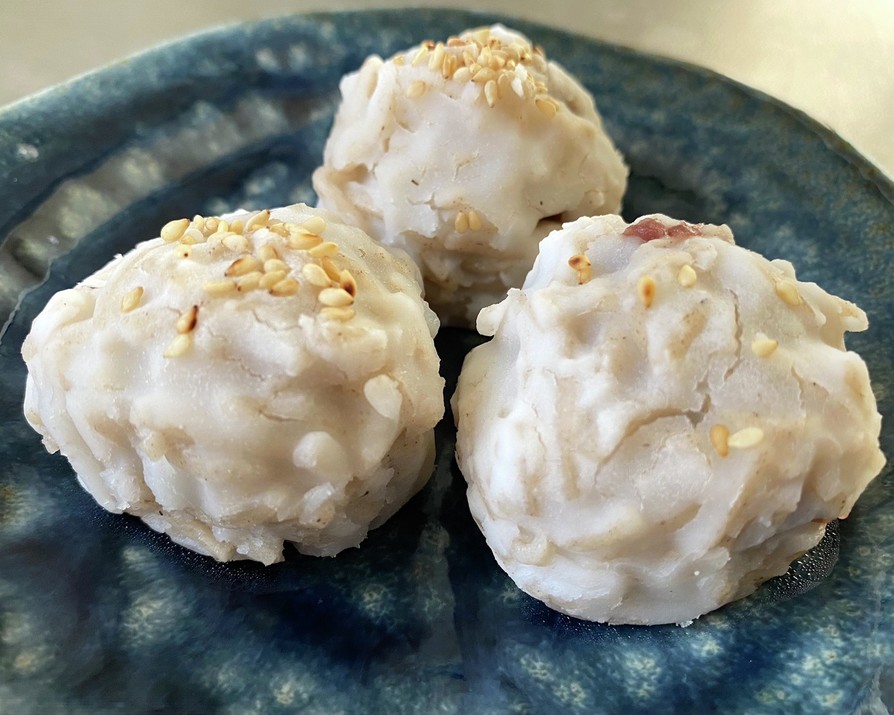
[186,323]
[178,346]
[719,435]
[474,220]
[173,230]
[198,222]
[645,289]
[462,74]
[219,287]
[259,220]
[456,42]
[789,293]
[336,297]
[275,264]
[461,222]
[131,299]
[416,89]
[249,281]
[278,228]
[304,241]
[468,58]
[582,265]
[449,66]
[270,279]
[222,226]
[286,287]
[491,93]
[235,242]
[238,226]
[420,56]
[331,269]
[744,438]
[687,276]
[518,87]
[327,248]
[242,266]
[192,236]
[336,313]
[347,282]
[484,75]
[211,224]
[399,60]
[547,106]
[267,253]
[315,224]
[436,58]
[762,346]
[315,275]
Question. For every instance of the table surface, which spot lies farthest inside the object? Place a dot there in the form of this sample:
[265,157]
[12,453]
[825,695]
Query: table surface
[830,58]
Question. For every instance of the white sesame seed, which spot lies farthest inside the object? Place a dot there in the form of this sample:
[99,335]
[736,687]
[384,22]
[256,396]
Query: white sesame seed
[547,106]
[211,224]
[267,253]
[461,222]
[315,224]
[178,346]
[286,287]
[719,435]
[462,75]
[173,230]
[762,346]
[687,276]
[436,58]
[131,299]
[192,236]
[235,242]
[242,266]
[347,282]
[336,313]
[517,87]
[646,289]
[219,287]
[416,89]
[198,222]
[327,248]
[315,275]
[484,75]
[335,297]
[271,278]
[789,293]
[491,93]
[448,67]
[304,241]
[237,226]
[259,220]
[249,281]
[275,264]
[474,220]
[744,438]
[420,56]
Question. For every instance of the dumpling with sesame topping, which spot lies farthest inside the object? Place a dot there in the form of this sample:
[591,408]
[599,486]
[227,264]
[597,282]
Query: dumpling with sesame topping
[662,421]
[466,153]
[244,381]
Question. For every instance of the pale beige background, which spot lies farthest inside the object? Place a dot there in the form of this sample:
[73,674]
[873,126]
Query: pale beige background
[832,58]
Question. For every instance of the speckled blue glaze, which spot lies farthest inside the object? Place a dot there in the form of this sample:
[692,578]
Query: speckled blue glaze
[99,614]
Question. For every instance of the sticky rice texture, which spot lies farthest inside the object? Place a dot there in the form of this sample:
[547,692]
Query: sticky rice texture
[419,159]
[278,422]
[584,426]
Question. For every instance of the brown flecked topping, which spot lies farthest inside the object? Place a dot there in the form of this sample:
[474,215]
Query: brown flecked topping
[347,282]
[582,265]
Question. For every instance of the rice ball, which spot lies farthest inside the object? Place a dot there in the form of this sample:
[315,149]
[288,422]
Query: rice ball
[662,421]
[466,154]
[244,381]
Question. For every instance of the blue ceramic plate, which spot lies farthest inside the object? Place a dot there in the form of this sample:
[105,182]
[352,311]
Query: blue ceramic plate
[98,613]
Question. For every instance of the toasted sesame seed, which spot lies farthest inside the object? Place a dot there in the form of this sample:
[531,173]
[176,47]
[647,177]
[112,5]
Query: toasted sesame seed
[347,282]
[242,266]
[449,66]
[287,286]
[416,89]
[762,346]
[336,297]
[436,58]
[456,42]
[249,281]
[789,293]
[235,242]
[259,220]
[331,269]
[219,287]
[744,438]
[461,222]
[484,75]
[462,74]
[327,248]
[186,323]
[131,299]
[192,236]
[547,106]
[178,346]
[315,224]
[267,253]
[491,93]
[315,275]
[582,265]
[687,276]
[173,230]
[719,435]
[474,220]
[275,264]
[468,58]
[646,289]
[271,278]
[337,313]
[304,241]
